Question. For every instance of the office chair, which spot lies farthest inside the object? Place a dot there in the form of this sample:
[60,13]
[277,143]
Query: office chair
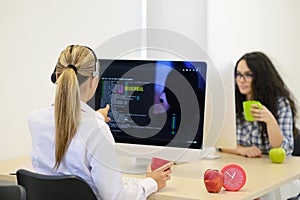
[49,187]
[295,198]
[296,151]
[12,192]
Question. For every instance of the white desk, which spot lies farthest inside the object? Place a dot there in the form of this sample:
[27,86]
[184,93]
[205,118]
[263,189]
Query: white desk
[263,176]
[9,166]
[187,178]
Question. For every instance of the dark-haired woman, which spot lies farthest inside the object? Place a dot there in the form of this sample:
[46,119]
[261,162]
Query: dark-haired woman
[256,78]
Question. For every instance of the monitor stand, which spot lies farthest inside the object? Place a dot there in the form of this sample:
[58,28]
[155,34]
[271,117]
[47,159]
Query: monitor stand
[209,153]
[132,165]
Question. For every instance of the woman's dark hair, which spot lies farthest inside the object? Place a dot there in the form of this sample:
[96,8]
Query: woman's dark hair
[267,86]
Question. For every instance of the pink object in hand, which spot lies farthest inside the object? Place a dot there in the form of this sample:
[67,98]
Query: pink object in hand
[157,163]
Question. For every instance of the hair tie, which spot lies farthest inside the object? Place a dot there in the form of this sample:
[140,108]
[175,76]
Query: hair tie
[73,67]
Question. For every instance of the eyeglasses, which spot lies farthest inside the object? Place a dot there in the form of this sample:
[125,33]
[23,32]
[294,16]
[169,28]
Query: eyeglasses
[247,76]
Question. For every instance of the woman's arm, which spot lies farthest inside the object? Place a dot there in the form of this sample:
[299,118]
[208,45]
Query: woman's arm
[280,129]
[274,133]
[251,151]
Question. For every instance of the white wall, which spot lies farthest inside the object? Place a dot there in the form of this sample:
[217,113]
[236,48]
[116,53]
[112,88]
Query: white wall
[33,32]
[180,29]
[272,26]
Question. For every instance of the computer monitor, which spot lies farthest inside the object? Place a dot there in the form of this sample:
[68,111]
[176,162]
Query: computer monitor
[176,110]
[157,107]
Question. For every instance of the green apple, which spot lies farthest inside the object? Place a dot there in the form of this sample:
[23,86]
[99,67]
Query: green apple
[277,155]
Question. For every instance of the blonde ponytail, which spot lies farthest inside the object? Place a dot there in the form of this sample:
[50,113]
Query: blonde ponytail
[67,112]
[67,99]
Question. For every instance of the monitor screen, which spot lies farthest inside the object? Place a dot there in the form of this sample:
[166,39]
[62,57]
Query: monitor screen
[154,102]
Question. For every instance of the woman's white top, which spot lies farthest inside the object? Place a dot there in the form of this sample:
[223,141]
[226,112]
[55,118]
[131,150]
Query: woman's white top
[91,155]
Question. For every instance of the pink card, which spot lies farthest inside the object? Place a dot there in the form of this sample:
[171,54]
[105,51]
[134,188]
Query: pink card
[157,163]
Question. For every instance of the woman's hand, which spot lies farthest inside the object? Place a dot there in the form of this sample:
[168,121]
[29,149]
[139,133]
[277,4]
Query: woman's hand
[251,152]
[263,114]
[104,112]
[160,175]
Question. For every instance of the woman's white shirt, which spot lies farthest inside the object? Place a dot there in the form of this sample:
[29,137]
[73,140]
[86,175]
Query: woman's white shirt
[91,155]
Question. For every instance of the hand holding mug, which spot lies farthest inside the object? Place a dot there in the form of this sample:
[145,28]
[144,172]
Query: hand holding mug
[247,105]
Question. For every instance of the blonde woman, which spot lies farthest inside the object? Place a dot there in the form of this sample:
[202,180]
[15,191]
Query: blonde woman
[69,137]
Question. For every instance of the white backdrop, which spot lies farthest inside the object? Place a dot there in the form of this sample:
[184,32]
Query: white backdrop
[33,33]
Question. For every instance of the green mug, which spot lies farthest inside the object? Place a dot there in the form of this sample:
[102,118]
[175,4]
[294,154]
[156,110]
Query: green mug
[247,106]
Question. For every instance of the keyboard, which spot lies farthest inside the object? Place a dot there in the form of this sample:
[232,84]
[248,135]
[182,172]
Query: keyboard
[127,179]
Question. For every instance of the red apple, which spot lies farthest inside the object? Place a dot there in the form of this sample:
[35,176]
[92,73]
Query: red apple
[213,180]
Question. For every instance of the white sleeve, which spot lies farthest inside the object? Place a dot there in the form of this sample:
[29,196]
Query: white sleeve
[140,190]
[105,170]
[99,116]
[108,180]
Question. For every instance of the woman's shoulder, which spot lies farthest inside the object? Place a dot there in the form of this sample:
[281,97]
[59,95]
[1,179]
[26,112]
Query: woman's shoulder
[283,101]
[42,113]
[93,127]
[283,106]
